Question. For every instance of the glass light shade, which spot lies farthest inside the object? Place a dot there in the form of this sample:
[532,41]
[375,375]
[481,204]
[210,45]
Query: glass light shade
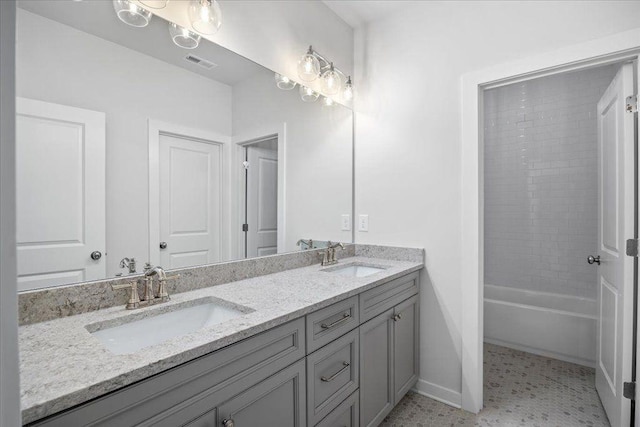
[347,94]
[328,102]
[205,16]
[308,94]
[155,4]
[182,37]
[308,66]
[131,14]
[284,82]
[331,81]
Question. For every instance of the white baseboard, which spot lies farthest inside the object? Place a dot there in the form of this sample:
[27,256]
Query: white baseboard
[439,393]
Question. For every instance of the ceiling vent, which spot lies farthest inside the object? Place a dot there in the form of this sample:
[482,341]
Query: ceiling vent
[208,65]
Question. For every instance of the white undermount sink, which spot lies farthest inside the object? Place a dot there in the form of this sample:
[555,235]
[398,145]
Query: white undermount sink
[355,270]
[134,335]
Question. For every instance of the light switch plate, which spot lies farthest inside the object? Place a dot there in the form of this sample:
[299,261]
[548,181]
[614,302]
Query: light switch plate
[346,222]
[363,223]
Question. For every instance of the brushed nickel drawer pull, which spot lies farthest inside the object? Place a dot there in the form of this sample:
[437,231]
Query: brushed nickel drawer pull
[333,377]
[345,317]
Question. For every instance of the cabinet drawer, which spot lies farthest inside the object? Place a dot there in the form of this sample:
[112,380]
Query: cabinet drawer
[158,397]
[332,375]
[346,414]
[383,297]
[323,326]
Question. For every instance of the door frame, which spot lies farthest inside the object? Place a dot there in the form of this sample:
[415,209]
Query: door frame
[238,178]
[157,128]
[616,48]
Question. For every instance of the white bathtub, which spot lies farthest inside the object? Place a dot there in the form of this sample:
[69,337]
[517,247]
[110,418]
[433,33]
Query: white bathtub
[553,325]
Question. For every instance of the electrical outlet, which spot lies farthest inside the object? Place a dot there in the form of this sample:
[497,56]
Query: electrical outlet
[363,223]
[346,222]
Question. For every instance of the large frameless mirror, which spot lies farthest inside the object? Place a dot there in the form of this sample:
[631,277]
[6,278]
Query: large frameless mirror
[131,149]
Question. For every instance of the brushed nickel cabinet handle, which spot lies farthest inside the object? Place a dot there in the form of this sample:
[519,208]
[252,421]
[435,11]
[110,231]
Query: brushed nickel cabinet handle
[345,366]
[345,317]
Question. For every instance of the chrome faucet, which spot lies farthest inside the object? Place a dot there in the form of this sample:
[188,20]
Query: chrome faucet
[129,263]
[329,255]
[149,297]
[305,244]
[149,272]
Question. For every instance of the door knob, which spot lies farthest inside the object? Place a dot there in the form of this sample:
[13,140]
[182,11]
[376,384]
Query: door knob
[228,423]
[96,255]
[591,259]
[163,245]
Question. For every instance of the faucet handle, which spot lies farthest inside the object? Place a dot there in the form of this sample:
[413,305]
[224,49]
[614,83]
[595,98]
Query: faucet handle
[134,298]
[162,287]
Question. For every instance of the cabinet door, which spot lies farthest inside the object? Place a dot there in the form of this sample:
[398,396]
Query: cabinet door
[405,347]
[376,362]
[280,400]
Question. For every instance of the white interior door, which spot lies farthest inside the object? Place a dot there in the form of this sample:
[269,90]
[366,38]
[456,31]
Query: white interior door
[60,179]
[190,201]
[262,201]
[616,221]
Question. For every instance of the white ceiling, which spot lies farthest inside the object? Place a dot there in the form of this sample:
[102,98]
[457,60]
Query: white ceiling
[99,19]
[359,12]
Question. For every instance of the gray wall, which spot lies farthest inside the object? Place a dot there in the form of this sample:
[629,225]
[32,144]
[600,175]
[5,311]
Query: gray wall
[9,381]
[541,183]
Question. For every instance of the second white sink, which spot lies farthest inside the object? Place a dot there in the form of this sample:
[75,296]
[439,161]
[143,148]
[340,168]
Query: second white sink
[355,270]
[135,335]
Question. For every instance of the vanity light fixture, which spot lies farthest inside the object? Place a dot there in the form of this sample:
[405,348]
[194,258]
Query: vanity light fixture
[309,66]
[182,37]
[131,14]
[347,94]
[331,81]
[155,4]
[284,82]
[307,94]
[205,16]
[313,65]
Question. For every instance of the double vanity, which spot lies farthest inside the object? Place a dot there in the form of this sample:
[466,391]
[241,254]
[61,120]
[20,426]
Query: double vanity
[285,342]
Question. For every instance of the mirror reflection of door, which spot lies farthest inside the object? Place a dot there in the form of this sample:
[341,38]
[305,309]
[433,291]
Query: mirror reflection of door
[190,201]
[60,182]
[261,198]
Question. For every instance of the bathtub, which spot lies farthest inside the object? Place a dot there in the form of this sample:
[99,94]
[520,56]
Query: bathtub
[553,325]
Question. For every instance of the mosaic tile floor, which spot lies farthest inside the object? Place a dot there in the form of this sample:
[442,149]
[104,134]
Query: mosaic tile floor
[521,389]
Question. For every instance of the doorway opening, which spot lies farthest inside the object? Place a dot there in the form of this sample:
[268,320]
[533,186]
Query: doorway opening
[559,189]
[260,226]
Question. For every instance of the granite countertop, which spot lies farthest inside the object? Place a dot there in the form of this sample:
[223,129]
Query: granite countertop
[63,365]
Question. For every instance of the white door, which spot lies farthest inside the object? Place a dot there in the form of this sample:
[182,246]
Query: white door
[262,201]
[190,201]
[60,202]
[616,222]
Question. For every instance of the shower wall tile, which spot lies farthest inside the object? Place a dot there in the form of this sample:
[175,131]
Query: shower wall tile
[541,182]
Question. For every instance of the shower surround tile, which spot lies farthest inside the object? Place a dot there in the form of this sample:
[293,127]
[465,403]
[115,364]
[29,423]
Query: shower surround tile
[541,182]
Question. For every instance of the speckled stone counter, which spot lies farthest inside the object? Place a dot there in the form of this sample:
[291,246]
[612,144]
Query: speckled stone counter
[63,365]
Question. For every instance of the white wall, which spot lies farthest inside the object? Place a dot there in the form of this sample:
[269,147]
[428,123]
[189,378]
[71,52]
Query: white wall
[59,64]
[409,69]
[541,182]
[318,156]
[9,366]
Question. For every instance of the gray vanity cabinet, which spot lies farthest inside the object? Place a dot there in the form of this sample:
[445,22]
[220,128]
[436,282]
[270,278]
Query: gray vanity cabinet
[376,365]
[388,349]
[277,401]
[405,347]
[346,365]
